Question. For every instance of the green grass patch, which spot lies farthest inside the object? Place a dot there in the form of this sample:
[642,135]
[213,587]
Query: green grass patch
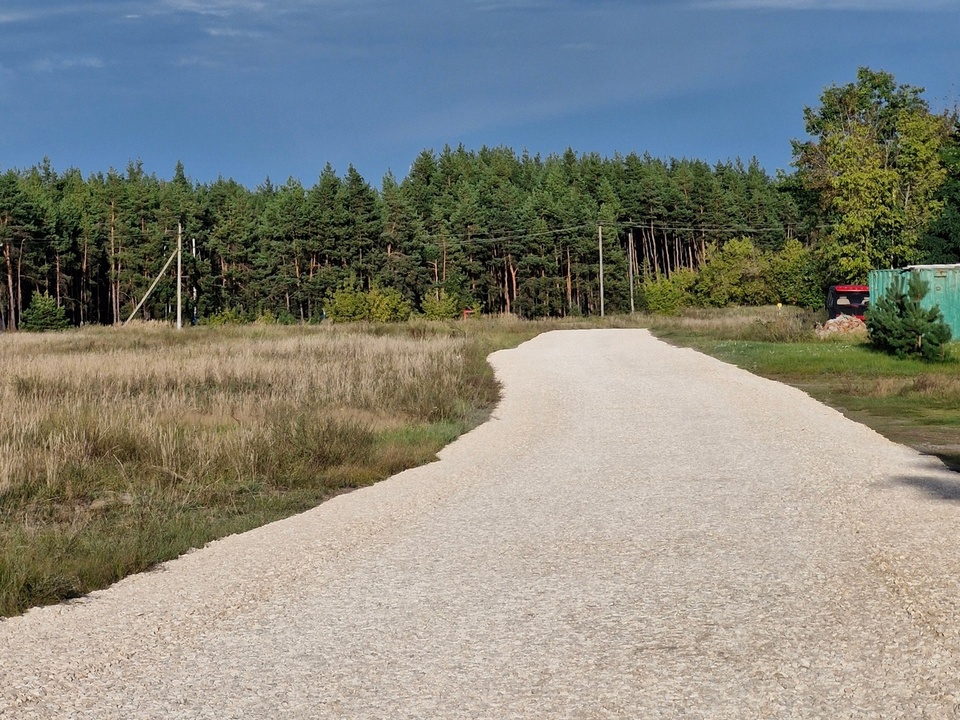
[909,401]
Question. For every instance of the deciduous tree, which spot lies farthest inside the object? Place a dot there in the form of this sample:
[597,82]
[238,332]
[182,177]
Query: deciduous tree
[874,162]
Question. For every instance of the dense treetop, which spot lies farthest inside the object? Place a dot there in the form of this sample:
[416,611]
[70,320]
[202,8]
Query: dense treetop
[877,183]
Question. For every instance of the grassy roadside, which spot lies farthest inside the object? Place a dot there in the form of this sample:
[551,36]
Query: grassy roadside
[124,447]
[908,401]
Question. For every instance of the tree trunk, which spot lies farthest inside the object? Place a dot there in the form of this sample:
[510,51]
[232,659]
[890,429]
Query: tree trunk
[20,282]
[114,265]
[650,250]
[506,285]
[666,254]
[59,301]
[83,283]
[12,320]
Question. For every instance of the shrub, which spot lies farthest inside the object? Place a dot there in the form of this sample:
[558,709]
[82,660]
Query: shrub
[794,276]
[266,318]
[668,296]
[284,317]
[440,306]
[43,314]
[736,274]
[387,305]
[897,324]
[347,304]
[227,316]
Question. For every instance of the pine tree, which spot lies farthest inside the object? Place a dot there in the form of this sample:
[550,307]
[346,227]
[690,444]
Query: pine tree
[898,324]
[43,314]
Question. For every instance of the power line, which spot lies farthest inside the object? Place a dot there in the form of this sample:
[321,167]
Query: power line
[507,238]
[495,239]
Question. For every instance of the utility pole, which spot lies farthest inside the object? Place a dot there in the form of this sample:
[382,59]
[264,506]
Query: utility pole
[179,276]
[193,317]
[600,242]
[630,265]
[152,286]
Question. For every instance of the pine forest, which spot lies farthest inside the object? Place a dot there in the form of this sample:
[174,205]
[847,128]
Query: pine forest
[492,230]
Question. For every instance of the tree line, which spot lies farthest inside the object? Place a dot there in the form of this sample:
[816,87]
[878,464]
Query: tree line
[877,183]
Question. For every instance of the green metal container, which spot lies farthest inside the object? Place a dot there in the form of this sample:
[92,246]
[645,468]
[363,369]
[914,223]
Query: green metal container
[944,282]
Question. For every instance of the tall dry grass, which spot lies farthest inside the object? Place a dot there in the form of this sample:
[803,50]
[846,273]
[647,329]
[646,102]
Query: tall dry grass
[762,324]
[120,448]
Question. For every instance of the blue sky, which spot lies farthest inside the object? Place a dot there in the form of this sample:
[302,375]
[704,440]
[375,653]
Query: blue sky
[255,88]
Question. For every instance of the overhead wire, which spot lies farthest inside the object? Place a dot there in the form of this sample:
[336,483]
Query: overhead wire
[480,239]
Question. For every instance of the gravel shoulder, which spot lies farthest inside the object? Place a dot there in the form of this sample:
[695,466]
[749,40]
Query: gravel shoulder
[640,531]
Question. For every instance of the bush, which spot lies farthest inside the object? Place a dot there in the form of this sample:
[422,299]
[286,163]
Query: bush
[668,296]
[897,324]
[440,306]
[286,318]
[266,318]
[43,314]
[387,305]
[227,316]
[382,305]
[794,276]
[347,305]
[736,274]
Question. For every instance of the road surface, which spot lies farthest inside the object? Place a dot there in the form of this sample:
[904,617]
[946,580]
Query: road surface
[640,531]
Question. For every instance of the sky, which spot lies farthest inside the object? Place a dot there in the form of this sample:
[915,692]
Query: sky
[251,89]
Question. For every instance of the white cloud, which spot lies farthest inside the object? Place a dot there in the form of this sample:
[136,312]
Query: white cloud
[219,8]
[232,33]
[864,5]
[53,64]
[9,17]
[494,6]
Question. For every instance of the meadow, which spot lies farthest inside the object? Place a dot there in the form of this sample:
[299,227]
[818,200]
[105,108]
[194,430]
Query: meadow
[121,448]
[124,447]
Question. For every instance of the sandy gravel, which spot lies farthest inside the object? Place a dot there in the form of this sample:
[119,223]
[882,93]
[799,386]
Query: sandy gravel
[640,532]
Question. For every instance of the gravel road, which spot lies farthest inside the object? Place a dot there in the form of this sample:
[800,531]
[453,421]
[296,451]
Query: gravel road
[640,531]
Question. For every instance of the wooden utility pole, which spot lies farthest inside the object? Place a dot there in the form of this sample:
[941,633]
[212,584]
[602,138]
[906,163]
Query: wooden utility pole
[630,265]
[179,276]
[193,316]
[600,242]
[152,286]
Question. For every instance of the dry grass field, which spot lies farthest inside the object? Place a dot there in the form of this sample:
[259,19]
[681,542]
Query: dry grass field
[120,448]
[124,447]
